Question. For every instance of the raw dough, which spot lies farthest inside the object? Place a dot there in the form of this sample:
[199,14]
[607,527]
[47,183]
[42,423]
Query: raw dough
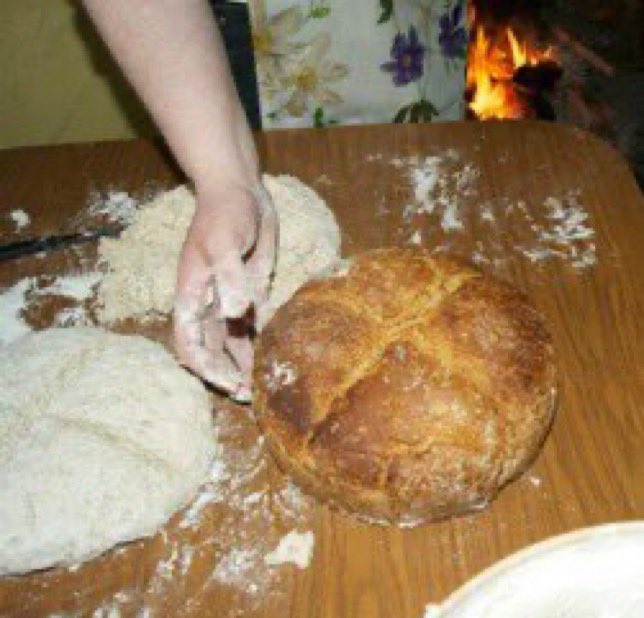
[102,438]
[309,238]
[142,263]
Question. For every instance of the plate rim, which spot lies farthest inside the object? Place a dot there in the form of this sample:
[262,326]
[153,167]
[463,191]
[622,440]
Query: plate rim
[557,541]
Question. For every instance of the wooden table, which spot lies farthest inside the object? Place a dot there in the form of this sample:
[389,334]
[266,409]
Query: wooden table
[591,469]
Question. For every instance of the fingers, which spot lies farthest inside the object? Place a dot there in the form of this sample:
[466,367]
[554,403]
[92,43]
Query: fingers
[261,263]
[225,269]
[232,284]
[241,350]
[217,369]
[203,355]
[237,348]
[225,247]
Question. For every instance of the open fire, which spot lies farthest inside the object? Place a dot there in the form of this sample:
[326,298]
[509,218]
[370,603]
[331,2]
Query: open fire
[507,77]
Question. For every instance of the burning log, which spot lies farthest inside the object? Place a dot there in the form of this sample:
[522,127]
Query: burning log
[541,77]
[536,82]
[507,78]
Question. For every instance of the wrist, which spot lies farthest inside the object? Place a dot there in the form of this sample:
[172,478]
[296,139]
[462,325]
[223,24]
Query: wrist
[225,179]
[232,162]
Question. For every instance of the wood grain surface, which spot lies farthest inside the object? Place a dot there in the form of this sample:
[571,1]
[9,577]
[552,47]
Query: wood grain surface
[590,471]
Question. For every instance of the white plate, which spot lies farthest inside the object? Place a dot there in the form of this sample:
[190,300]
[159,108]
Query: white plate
[591,573]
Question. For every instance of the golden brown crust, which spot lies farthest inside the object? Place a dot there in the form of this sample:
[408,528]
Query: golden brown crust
[410,389]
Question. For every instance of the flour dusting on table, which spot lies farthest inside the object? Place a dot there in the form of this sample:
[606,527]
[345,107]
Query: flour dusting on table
[566,233]
[20,218]
[446,206]
[115,206]
[254,510]
[16,300]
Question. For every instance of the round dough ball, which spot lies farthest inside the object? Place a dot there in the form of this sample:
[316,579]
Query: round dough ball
[309,239]
[141,264]
[102,438]
[409,389]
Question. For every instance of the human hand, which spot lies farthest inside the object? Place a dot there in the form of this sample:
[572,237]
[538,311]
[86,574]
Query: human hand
[223,278]
[179,68]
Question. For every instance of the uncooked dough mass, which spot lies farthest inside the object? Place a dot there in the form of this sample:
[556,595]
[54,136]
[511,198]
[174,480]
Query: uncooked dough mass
[94,429]
[142,264]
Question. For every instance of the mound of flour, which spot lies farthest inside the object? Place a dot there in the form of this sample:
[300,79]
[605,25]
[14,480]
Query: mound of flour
[141,265]
[93,435]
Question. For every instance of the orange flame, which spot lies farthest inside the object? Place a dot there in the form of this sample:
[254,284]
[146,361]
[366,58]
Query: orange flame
[491,63]
[522,54]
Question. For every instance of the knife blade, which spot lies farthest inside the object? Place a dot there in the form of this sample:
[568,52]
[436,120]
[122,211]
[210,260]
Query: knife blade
[31,246]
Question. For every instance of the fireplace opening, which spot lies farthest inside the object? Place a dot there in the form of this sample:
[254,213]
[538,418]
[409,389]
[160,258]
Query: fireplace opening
[574,61]
[509,73]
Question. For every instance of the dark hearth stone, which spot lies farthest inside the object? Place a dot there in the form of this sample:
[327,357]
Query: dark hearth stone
[543,108]
[538,78]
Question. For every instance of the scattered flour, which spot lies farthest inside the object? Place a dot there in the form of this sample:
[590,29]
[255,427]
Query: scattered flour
[20,218]
[565,233]
[294,547]
[487,214]
[535,480]
[234,568]
[16,299]
[437,188]
[116,206]
[211,492]
[115,606]
[251,507]
[416,238]
[111,611]
[79,286]
[185,558]
[425,178]
[450,220]
[281,374]
[444,188]
[165,568]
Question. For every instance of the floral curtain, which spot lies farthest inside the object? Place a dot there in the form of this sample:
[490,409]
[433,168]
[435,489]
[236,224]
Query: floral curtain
[323,62]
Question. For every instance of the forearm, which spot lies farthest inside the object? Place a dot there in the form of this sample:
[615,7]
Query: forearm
[172,53]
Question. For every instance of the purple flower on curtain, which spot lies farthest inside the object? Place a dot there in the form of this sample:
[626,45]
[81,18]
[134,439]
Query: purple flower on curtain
[407,55]
[453,35]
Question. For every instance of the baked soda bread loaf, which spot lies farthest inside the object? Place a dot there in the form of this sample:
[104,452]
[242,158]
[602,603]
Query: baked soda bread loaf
[410,388]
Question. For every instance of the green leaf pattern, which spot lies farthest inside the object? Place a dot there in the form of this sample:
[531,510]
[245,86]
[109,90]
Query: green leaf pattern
[387,8]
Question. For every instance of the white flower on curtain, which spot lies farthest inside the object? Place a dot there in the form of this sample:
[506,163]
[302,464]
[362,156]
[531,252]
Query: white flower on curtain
[295,75]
